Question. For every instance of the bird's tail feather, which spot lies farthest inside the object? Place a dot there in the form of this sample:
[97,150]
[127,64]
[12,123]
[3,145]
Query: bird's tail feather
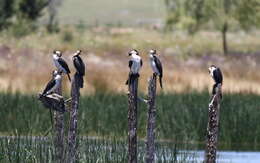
[126,83]
[69,77]
[81,82]
[160,80]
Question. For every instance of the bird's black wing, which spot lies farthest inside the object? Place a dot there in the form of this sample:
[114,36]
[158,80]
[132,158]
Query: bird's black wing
[217,75]
[130,63]
[64,65]
[79,65]
[158,65]
[50,84]
[141,62]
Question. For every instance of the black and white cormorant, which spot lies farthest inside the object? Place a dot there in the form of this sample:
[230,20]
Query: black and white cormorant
[60,63]
[135,63]
[80,67]
[53,84]
[216,74]
[156,65]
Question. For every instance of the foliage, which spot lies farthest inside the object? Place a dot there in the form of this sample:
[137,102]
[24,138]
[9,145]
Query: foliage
[31,9]
[222,13]
[6,12]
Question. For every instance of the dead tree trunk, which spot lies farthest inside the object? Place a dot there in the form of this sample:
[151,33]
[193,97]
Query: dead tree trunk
[150,144]
[224,37]
[59,132]
[132,120]
[213,126]
[73,119]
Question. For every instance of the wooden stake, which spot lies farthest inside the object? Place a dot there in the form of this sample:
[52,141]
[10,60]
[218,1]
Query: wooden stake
[59,132]
[150,142]
[73,119]
[213,126]
[132,120]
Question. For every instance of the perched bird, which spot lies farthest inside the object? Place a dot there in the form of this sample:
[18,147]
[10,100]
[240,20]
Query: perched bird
[156,65]
[53,84]
[216,74]
[135,63]
[60,63]
[80,67]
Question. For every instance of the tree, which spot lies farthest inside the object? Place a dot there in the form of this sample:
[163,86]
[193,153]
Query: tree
[53,22]
[6,12]
[221,13]
[31,9]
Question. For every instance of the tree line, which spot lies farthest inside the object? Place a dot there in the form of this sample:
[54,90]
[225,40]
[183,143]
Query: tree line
[221,15]
[17,11]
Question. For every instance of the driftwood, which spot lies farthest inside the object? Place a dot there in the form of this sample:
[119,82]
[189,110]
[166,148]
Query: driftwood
[59,132]
[52,101]
[150,142]
[213,126]
[132,120]
[73,119]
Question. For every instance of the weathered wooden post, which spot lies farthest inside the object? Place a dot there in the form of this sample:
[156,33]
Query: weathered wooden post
[213,126]
[73,119]
[132,120]
[150,142]
[59,132]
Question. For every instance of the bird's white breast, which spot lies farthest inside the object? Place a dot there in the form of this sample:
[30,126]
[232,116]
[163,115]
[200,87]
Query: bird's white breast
[136,64]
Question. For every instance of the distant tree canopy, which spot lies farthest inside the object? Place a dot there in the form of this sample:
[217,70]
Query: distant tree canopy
[32,9]
[6,12]
[16,13]
[193,14]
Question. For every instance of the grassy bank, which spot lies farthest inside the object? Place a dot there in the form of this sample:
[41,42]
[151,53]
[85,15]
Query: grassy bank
[180,117]
[185,58]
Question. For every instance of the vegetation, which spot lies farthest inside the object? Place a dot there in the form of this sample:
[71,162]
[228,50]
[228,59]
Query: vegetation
[40,149]
[222,14]
[180,117]
[6,12]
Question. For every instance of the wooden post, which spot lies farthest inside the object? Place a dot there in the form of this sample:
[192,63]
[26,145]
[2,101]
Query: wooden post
[132,120]
[213,126]
[150,142]
[73,119]
[59,132]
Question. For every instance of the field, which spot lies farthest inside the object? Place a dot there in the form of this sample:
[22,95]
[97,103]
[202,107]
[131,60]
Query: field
[111,12]
[26,63]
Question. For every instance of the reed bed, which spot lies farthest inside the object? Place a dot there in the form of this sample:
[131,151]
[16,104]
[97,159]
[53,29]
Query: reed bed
[180,117]
[40,149]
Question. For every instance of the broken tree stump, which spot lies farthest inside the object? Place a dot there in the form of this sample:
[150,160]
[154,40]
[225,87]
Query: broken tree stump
[132,120]
[150,138]
[213,126]
[72,135]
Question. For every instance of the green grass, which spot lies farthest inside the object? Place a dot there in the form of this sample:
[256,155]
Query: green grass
[123,12]
[180,117]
